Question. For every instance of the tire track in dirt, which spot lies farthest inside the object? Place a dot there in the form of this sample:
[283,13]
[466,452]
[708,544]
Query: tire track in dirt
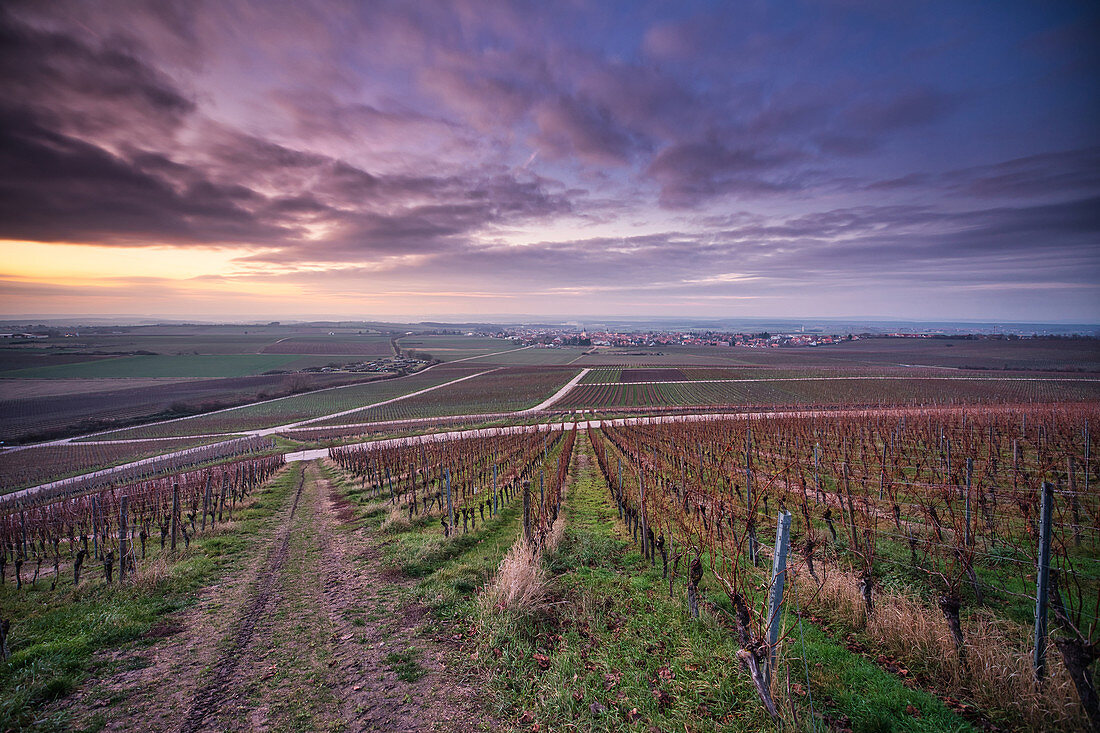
[372,696]
[208,697]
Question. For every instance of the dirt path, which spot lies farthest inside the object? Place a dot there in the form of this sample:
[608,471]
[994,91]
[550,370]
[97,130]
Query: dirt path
[390,663]
[212,695]
[310,634]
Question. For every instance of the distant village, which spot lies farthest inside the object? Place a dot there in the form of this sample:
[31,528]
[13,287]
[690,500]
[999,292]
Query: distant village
[762,340]
[549,337]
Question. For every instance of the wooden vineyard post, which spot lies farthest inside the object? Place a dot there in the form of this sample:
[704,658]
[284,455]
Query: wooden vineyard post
[221,495]
[1086,487]
[123,550]
[496,501]
[947,475]
[641,510]
[882,473]
[1015,466]
[1046,509]
[175,520]
[851,509]
[672,561]
[450,506]
[775,594]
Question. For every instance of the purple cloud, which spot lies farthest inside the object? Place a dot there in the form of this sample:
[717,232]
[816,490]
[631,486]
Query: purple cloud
[676,150]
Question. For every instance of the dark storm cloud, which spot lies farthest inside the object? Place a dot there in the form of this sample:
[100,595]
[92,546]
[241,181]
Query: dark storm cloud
[72,168]
[58,188]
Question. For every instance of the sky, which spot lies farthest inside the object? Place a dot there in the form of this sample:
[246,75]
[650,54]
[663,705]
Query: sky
[373,160]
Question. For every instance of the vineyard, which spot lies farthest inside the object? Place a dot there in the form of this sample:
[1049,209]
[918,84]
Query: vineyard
[32,466]
[797,392]
[157,464]
[912,517]
[615,375]
[116,526]
[503,390]
[628,571]
[467,479]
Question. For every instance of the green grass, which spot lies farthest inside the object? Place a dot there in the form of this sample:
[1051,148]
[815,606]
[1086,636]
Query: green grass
[612,651]
[188,365]
[58,637]
[406,664]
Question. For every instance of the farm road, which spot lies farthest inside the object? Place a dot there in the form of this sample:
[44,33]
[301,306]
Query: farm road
[289,426]
[300,638]
[868,378]
[557,395]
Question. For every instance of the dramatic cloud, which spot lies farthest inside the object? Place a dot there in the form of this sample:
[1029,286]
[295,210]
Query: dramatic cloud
[380,158]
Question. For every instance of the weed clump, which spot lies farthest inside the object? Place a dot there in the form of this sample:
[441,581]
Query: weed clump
[521,586]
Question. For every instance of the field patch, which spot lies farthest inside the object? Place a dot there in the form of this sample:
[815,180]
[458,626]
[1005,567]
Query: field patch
[32,358]
[299,407]
[427,342]
[651,375]
[14,389]
[347,346]
[534,357]
[504,390]
[779,392]
[663,356]
[58,415]
[187,365]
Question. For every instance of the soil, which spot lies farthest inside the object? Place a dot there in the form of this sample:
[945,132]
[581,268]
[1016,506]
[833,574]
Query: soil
[303,636]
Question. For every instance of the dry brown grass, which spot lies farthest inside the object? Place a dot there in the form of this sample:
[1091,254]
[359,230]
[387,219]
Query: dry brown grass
[521,585]
[997,676]
[154,572]
[374,507]
[397,520]
[553,537]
